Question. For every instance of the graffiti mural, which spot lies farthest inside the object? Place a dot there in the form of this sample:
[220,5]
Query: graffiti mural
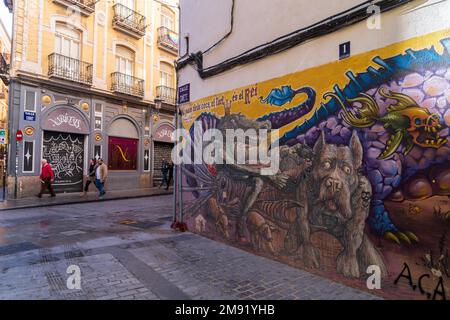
[364,175]
[65,153]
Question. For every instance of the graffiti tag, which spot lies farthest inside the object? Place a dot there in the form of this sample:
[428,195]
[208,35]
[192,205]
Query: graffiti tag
[439,289]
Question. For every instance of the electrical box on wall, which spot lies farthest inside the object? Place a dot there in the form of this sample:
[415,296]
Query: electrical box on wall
[344,50]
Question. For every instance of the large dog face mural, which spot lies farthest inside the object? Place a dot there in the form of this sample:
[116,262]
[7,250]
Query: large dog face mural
[336,173]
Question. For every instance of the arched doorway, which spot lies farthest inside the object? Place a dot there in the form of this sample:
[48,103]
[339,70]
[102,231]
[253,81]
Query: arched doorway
[63,146]
[123,145]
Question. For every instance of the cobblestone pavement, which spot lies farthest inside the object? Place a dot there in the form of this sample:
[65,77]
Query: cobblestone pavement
[125,249]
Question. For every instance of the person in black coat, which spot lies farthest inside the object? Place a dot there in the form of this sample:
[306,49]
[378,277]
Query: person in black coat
[91,175]
[164,171]
[170,174]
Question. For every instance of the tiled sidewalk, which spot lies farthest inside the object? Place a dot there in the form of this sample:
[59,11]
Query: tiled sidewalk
[73,198]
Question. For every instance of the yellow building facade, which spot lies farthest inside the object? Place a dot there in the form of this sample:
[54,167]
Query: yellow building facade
[98,77]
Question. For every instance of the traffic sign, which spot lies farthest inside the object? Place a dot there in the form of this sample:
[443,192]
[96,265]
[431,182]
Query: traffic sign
[19,135]
[2,136]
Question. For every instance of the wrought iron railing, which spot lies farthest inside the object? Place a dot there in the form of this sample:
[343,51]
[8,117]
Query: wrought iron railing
[4,66]
[124,83]
[88,5]
[168,38]
[128,18]
[166,94]
[69,68]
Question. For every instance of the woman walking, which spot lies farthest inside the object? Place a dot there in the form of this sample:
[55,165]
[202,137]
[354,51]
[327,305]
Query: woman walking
[91,176]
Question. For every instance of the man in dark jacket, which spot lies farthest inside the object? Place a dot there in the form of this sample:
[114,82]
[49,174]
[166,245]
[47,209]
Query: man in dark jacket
[170,174]
[47,178]
[164,171]
[91,175]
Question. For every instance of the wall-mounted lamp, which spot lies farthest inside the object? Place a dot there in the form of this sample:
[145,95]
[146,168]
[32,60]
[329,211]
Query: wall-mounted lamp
[158,105]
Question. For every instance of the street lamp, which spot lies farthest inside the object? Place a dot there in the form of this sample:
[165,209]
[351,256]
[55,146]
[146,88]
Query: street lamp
[158,105]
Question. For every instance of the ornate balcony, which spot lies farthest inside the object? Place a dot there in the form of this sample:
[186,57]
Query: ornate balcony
[4,69]
[168,39]
[126,84]
[70,69]
[128,21]
[166,94]
[86,7]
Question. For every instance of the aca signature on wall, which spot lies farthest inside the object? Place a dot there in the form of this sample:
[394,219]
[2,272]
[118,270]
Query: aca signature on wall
[380,141]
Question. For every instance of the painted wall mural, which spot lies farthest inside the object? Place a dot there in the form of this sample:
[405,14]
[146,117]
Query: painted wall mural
[364,175]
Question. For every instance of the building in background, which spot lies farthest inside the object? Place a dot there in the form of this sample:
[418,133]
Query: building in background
[5,50]
[360,94]
[92,79]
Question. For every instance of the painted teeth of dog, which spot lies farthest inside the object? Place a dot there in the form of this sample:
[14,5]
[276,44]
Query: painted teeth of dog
[434,129]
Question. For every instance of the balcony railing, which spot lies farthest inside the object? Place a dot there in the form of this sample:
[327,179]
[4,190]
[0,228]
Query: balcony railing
[166,94]
[86,6]
[4,69]
[71,69]
[127,84]
[128,21]
[168,39]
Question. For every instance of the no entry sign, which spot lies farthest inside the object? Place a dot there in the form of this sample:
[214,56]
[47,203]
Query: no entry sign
[19,135]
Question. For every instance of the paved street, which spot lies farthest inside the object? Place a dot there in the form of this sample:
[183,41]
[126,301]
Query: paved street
[126,250]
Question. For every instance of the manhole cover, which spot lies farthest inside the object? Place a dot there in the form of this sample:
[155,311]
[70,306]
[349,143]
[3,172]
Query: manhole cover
[17,247]
[141,224]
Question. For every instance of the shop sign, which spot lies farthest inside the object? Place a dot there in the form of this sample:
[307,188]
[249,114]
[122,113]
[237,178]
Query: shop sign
[65,120]
[164,133]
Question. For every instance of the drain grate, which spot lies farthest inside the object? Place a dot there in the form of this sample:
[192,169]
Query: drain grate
[141,224]
[17,247]
[55,281]
[73,254]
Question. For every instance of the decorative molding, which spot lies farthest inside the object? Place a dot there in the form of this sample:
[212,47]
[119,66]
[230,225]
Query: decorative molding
[100,18]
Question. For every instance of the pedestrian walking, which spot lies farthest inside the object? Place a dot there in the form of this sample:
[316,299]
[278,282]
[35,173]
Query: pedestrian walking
[47,178]
[164,171]
[170,174]
[101,173]
[91,176]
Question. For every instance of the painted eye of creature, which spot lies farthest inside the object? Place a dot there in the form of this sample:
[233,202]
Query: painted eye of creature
[327,164]
[347,169]
[418,121]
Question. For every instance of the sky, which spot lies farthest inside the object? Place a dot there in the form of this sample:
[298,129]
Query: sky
[6,17]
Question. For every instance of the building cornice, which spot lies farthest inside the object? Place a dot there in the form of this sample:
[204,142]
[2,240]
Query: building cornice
[66,87]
